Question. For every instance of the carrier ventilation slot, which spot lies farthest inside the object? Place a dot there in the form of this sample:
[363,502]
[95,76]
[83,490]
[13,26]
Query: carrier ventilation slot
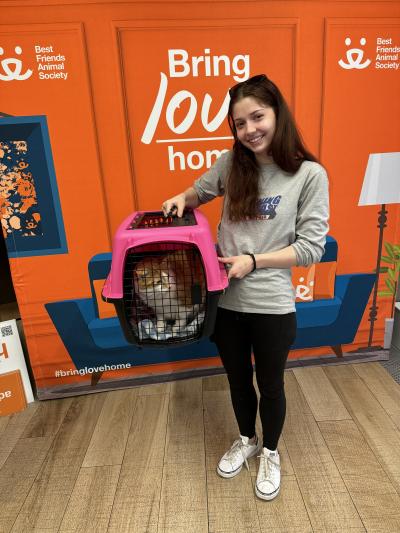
[156,219]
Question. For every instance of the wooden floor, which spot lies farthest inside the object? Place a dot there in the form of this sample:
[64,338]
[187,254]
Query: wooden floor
[143,460]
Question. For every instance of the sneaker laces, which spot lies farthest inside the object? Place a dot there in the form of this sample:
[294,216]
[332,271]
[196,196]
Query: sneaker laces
[268,466]
[236,448]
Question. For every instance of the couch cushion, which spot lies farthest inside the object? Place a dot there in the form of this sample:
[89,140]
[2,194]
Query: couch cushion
[317,313]
[107,332]
[324,283]
[303,282]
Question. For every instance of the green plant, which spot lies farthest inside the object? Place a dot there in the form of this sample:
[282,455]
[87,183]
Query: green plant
[392,271]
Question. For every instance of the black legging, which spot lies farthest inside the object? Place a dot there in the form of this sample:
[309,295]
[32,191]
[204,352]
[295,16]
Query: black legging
[270,336]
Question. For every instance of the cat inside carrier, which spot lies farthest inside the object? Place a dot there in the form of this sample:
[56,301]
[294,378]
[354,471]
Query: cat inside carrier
[165,278]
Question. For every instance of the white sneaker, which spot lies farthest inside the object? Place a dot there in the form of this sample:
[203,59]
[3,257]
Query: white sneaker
[232,461]
[269,475]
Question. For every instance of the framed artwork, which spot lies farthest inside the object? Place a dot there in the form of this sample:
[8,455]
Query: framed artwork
[30,210]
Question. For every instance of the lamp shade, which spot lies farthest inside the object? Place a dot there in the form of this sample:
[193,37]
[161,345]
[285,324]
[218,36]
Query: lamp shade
[382,180]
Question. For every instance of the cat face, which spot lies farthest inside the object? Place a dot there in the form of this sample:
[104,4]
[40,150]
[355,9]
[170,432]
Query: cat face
[168,279]
[151,278]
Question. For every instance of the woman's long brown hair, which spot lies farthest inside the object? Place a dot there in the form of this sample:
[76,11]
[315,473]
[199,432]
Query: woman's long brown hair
[287,149]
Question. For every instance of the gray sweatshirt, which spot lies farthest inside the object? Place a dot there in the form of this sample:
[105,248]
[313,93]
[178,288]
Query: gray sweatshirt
[293,210]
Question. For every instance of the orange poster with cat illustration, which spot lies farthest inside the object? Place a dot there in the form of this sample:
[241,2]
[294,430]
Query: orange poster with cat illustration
[125,106]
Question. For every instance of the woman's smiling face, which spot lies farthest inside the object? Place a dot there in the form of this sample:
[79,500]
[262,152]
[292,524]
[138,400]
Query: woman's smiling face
[255,124]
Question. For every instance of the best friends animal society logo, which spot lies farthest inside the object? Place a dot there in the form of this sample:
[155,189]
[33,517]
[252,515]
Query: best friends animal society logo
[12,67]
[50,65]
[386,55]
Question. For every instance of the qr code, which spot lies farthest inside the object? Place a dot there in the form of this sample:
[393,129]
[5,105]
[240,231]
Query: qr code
[6,331]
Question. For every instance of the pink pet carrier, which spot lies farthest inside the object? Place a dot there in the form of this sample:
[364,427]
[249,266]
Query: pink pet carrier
[165,279]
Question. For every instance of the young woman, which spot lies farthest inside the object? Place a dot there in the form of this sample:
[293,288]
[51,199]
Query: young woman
[275,216]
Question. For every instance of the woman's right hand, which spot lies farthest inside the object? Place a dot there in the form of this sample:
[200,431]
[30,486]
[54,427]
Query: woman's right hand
[175,205]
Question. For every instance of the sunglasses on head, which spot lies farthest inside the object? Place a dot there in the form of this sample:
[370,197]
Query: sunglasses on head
[255,80]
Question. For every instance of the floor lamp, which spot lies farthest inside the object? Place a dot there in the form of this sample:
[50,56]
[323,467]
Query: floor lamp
[381,186]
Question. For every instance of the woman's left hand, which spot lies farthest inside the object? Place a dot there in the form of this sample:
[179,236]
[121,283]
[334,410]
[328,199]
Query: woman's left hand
[240,265]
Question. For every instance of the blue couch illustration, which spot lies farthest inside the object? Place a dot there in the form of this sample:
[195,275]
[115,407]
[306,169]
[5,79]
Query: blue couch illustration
[93,342]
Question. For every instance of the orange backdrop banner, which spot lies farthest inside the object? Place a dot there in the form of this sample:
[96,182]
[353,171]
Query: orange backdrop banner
[127,105]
